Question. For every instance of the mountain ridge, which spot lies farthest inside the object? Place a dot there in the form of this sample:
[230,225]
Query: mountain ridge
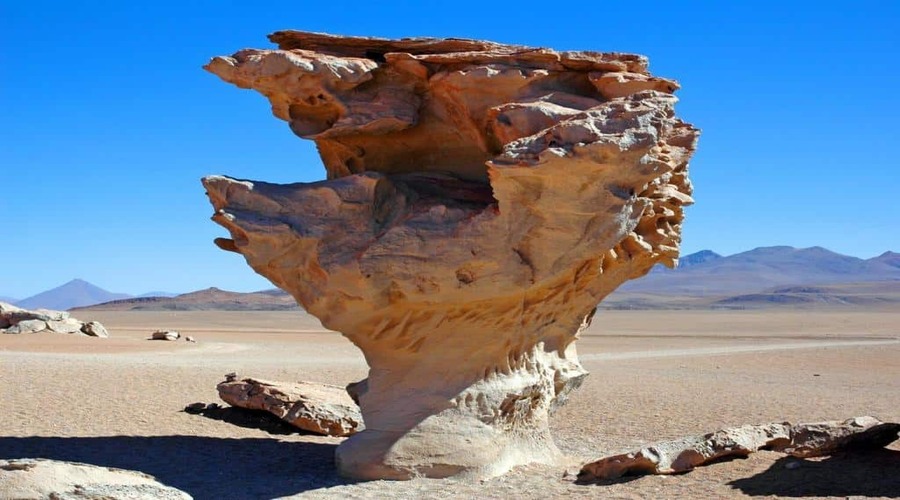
[762,268]
[74,293]
[760,277]
[211,298]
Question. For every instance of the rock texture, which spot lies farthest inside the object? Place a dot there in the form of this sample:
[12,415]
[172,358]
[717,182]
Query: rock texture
[800,440]
[41,479]
[482,199]
[17,320]
[319,408]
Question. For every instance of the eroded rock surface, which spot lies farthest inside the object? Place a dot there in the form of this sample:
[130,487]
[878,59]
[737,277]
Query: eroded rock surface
[17,320]
[482,199]
[799,440]
[320,408]
[42,479]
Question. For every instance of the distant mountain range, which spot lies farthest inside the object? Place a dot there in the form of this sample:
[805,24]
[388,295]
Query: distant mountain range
[76,293]
[707,272]
[205,300]
[764,277]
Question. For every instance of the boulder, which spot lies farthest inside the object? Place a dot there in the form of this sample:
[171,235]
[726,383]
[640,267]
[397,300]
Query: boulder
[17,320]
[319,408]
[825,438]
[6,311]
[481,200]
[39,314]
[70,325]
[28,326]
[6,307]
[38,478]
[94,329]
[800,440]
[165,335]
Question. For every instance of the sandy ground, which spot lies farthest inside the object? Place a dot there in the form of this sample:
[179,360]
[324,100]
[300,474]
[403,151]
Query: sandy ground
[654,375]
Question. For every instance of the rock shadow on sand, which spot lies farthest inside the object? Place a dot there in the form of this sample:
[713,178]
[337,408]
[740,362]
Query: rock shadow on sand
[867,473]
[248,419]
[204,467]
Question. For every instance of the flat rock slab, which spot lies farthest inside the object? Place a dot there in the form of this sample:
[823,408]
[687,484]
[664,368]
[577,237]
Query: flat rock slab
[319,408]
[41,479]
[799,440]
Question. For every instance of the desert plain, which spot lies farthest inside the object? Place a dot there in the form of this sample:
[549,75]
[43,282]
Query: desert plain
[655,375]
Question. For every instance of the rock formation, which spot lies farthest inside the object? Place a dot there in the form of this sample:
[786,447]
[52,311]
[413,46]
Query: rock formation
[17,320]
[165,335]
[38,478]
[800,440]
[94,329]
[481,200]
[319,408]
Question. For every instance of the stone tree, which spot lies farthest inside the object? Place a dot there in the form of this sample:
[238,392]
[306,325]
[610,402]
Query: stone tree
[481,200]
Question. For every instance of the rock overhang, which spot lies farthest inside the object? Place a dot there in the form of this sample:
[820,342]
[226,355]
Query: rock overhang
[384,105]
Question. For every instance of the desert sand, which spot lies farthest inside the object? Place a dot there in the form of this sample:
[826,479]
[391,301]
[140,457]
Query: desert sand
[655,375]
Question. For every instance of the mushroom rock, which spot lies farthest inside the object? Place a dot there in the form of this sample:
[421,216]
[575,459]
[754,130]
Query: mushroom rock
[481,200]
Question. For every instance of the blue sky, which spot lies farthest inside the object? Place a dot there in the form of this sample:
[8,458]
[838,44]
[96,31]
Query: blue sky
[107,122]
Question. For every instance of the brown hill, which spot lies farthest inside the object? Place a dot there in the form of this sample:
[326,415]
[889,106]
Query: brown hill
[204,300]
[873,295]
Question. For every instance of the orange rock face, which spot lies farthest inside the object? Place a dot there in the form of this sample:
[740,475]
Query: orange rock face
[482,199]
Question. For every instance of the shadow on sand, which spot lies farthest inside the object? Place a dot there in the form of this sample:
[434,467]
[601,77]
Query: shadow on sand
[248,419]
[870,473]
[204,467]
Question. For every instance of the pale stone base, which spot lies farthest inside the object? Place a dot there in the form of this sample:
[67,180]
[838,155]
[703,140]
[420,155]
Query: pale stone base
[495,424]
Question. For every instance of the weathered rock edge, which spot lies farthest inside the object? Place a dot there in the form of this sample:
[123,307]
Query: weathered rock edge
[799,440]
[319,408]
[482,199]
[40,478]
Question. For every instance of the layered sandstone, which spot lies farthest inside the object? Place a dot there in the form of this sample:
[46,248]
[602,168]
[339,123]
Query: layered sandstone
[481,200]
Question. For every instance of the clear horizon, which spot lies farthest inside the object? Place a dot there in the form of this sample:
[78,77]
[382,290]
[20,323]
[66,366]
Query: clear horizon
[109,122]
